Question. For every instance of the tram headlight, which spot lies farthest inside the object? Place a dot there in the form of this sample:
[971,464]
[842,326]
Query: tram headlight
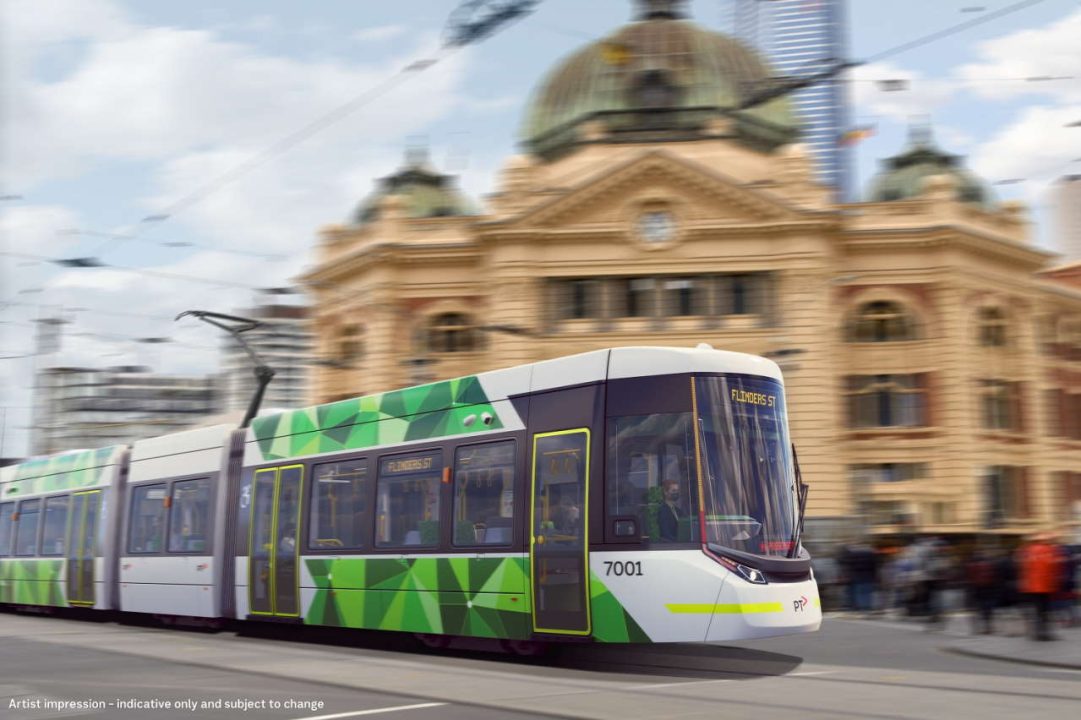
[750,574]
[746,572]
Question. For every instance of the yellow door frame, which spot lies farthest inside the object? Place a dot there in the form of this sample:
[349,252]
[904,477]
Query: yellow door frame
[272,571]
[585,536]
[80,547]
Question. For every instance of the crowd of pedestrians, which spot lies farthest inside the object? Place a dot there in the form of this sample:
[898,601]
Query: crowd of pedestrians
[1038,578]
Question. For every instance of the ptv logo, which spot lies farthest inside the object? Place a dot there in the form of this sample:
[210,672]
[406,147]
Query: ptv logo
[800,604]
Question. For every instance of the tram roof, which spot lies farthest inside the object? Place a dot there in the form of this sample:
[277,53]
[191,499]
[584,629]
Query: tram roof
[473,404]
[69,470]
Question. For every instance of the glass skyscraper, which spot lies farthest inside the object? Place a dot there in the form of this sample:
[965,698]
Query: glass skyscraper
[803,37]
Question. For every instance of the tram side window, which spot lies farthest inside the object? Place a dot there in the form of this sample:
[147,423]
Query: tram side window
[484,494]
[189,516]
[339,506]
[56,524]
[651,475]
[7,510]
[147,532]
[407,511]
[26,527]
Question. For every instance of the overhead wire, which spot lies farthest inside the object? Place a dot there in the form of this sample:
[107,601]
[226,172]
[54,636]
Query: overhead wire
[163,243]
[951,30]
[135,271]
[465,33]
[284,144]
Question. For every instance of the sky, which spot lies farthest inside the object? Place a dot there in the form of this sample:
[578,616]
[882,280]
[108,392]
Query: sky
[112,112]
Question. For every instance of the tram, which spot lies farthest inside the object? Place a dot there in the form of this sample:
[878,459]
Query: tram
[628,495]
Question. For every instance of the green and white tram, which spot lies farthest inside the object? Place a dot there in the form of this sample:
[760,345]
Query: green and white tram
[624,495]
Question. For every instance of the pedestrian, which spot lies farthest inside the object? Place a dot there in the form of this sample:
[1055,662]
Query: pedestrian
[863,576]
[909,576]
[1038,564]
[937,569]
[844,574]
[983,590]
[1065,599]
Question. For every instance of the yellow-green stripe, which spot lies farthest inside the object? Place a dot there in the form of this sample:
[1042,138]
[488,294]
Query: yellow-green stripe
[725,609]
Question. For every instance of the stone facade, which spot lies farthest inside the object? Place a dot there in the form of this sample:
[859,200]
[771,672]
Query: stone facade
[933,373]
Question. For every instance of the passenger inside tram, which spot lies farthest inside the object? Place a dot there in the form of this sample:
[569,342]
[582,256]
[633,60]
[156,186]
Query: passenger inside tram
[669,513]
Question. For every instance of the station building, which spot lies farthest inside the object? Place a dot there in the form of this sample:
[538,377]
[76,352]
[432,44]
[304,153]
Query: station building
[932,353]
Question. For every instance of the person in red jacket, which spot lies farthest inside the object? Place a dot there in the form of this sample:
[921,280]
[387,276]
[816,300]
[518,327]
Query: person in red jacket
[1039,580]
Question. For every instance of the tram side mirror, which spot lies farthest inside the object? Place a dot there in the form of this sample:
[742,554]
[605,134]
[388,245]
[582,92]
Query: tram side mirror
[625,528]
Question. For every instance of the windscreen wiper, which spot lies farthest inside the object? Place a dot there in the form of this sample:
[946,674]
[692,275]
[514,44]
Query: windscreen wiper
[801,497]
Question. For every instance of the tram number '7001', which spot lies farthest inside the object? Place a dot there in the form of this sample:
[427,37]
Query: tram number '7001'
[620,568]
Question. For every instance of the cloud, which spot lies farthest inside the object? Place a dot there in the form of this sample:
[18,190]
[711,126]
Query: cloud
[379,33]
[922,96]
[187,105]
[954,138]
[1050,51]
[37,229]
[158,93]
[1036,146]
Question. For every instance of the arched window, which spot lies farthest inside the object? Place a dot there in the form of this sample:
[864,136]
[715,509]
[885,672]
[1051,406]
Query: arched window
[452,332]
[882,321]
[993,328]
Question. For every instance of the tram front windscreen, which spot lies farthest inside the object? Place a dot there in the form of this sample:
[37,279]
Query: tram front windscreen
[748,478]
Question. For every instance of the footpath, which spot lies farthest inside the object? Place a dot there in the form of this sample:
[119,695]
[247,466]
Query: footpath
[1009,643]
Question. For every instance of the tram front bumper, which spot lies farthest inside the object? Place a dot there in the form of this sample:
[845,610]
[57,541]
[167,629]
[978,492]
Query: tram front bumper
[746,611]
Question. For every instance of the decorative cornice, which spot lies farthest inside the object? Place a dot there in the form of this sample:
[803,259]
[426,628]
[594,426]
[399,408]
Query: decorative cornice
[657,163]
[358,260]
[967,237]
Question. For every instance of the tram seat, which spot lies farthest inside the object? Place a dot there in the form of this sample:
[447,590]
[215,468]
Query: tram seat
[412,538]
[499,530]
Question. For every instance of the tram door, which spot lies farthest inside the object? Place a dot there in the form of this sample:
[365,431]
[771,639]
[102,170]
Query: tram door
[82,546]
[559,549]
[273,542]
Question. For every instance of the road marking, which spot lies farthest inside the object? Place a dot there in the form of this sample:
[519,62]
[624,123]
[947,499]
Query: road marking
[815,672]
[374,711]
[674,684]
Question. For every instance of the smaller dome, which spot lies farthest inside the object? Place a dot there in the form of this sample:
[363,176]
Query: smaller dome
[904,175]
[425,193]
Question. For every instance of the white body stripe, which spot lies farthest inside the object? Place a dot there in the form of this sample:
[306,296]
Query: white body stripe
[179,454]
[177,585]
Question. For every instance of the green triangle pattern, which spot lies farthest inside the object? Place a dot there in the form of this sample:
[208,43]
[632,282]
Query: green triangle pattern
[31,582]
[611,622]
[69,471]
[417,413]
[462,595]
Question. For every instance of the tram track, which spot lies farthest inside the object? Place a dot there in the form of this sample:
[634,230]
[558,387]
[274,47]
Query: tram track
[580,681]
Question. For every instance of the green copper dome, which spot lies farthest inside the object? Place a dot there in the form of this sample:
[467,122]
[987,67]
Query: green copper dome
[426,193]
[903,175]
[660,78]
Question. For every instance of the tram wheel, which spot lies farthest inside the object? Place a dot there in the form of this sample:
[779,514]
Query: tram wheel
[435,642]
[525,648]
